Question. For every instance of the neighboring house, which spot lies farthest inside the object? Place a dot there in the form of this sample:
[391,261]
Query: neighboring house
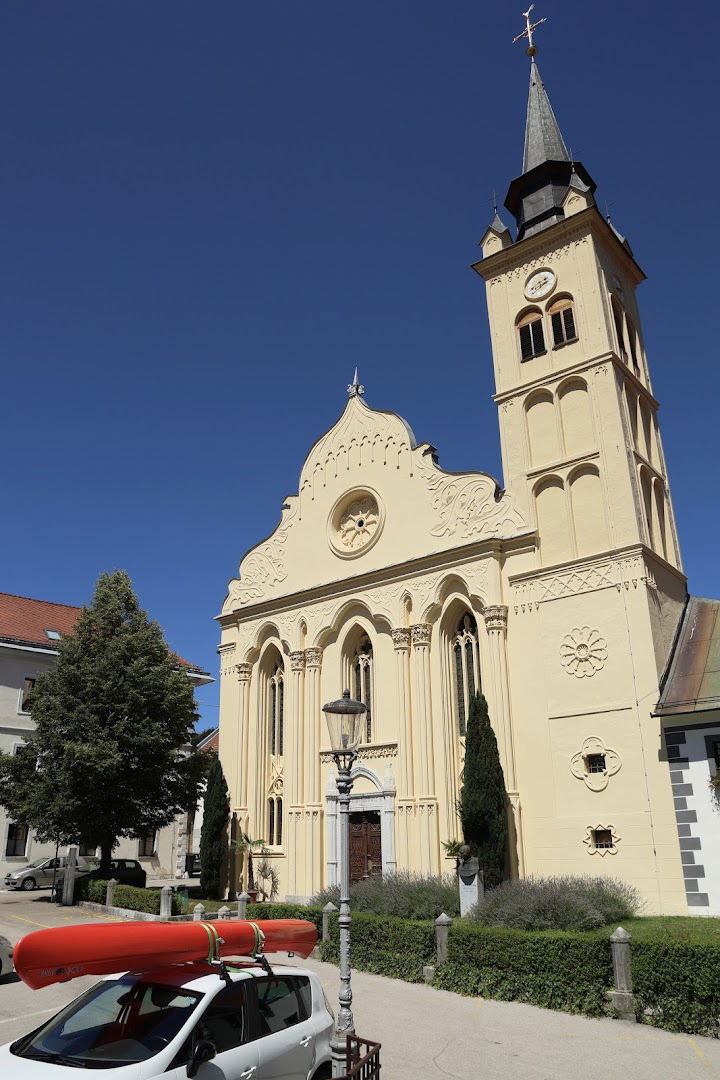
[558,592]
[30,632]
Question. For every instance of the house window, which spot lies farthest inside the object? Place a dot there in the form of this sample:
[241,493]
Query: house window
[595,763]
[532,337]
[17,839]
[277,712]
[362,676]
[146,844]
[53,635]
[88,851]
[275,822]
[562,321]
[466,667]
[28,687]
[602,838]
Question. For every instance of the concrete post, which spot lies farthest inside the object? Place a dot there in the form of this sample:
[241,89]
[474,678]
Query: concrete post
[166,902]
[68,895]
[442,931]
[224,912]
[199,912]
[242,902]
[327,912]
[622,997]
[109,891]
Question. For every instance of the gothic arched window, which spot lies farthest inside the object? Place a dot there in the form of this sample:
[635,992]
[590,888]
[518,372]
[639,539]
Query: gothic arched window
[467,667]
[277,712]
[275,821]
[362,669]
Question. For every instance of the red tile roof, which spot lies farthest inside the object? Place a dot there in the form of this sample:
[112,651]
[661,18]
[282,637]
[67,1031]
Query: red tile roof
[25,622]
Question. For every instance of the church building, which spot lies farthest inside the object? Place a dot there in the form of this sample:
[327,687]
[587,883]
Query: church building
[560,594]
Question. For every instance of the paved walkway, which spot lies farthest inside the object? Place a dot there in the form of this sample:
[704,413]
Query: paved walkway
[426,1034]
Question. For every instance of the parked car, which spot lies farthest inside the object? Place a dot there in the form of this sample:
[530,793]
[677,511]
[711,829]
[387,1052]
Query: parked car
[41,873]
[125,871]
[178,1022]
[6,961]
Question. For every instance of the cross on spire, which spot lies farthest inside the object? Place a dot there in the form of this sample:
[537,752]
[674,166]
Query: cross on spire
[528,31]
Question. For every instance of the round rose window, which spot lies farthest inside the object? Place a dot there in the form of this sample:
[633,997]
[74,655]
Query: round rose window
[355,523]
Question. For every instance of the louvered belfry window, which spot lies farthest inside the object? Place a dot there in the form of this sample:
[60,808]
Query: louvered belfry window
[562,320]
[532,337]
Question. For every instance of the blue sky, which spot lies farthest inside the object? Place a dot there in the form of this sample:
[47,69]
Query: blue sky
[212,212]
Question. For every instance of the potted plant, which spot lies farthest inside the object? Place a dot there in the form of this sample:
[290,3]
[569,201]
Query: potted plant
[268,880]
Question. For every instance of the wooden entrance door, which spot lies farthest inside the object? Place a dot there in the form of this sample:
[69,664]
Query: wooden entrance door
[365,845]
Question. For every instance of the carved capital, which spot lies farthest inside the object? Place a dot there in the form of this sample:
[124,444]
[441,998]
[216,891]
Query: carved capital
[401,637]
[313,657]
[244,671]
[496,617]
[297,661]
[421,634]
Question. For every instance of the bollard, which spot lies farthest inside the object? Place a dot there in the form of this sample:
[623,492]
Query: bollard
[242,903]
[224,912]
[199,912]
[166,902]
[327,912]
[109,891]
[442,930]
[622,997]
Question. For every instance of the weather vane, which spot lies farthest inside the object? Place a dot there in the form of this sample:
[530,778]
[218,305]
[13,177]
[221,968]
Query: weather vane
[528,31]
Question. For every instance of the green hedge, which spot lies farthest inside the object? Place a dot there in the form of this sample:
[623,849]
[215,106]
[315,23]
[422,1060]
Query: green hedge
[126,896]
[285,911]
[386,945]
[677,985]
[566,970]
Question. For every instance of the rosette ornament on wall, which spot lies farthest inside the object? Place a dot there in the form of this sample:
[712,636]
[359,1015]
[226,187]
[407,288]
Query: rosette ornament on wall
[583,652]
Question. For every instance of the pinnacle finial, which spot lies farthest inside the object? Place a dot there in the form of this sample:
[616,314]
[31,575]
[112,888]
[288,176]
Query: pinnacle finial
[355,389]
[528,31]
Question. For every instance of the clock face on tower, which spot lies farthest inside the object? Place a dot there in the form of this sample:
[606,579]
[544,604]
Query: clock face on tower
[540,284]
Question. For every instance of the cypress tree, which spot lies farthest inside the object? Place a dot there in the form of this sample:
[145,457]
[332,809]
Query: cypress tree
[482,798]
[214,834]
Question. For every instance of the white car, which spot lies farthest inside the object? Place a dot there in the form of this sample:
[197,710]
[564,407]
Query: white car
[185,1021]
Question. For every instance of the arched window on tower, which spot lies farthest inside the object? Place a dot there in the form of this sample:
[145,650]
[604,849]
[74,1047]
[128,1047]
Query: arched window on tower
[532,337]
[562,321]
[619,317]
[276,719]
[466,660]
[362,668]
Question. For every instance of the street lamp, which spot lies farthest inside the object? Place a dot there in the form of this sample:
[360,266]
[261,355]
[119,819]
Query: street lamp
[344,719]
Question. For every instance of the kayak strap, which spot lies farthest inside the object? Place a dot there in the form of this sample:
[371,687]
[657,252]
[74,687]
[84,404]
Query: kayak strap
[214,941]
[259,941]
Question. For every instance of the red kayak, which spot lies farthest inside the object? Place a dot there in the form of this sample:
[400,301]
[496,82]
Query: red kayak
[64,952]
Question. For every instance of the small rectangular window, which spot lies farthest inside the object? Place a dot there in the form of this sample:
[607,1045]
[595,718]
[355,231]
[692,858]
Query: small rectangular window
[602,838]
[28,687]
[596,763]
[53,635]
[17,839]
[146,845]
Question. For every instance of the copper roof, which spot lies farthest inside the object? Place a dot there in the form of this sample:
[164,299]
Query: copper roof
[693,679]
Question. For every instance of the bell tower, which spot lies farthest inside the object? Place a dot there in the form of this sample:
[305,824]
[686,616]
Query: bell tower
[581,444]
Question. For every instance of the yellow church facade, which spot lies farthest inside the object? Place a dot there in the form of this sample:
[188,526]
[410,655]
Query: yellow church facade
[559,595]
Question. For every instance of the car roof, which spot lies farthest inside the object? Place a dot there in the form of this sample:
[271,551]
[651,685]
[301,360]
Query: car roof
[203,977]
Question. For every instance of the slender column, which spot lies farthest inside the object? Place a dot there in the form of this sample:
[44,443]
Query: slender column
[496,624]
[429,853]
[406,791]
[293,775]
[244,674]
[344,1024]
[331,800]
[313,812]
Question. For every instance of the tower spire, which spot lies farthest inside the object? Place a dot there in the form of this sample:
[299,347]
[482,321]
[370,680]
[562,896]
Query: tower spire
[543,139]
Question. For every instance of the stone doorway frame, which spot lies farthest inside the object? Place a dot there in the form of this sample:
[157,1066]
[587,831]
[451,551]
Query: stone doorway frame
[382,800]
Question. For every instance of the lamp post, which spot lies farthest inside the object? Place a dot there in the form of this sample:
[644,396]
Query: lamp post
[344,719]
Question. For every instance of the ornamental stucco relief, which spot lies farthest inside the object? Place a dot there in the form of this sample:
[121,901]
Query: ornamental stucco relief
[264,566]
[358,523]
[589,840]
[583,652]
[467,506]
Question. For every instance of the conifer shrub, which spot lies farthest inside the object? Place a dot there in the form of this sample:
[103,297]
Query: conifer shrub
[558,903]
[214,834]
[404,894]
[482,803]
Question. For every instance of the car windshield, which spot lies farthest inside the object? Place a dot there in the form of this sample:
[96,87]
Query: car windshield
[114,1023]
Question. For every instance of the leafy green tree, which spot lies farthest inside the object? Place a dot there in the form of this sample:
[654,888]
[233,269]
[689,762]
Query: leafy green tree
[214,833]
[482,802]
[113,719]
